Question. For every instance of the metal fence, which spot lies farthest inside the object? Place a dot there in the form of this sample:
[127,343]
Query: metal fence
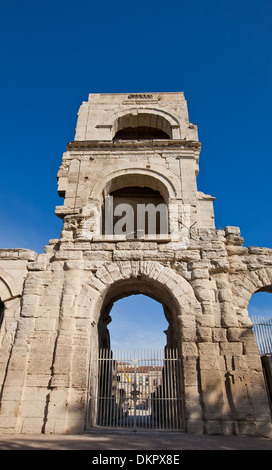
[136,390]
[262,327]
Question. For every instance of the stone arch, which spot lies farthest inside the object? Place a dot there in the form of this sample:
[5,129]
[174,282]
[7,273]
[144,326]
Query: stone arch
[135,177]
[245,284]
[8,287]
[142,126]
[149,117]
[116,280]
[8,291]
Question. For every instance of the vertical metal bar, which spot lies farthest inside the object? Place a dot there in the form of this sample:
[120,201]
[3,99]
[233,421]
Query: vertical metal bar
[261,329]
[108,387]
[153,398]
[141,388]
[121,388]
[145,392]
[157,362]
[170,397]
[105,388]
[164,390]
[112,388]
[180,404]
[171,391]
[100,387]
[176,411]
[168,389]
[159,409]
[134,394]
[160,403]
[265,330]
[173,395]
[150,393]
[158,397]
[270,335]
[127,384]
[121,383]
[148,401]
[106,418]
[129,387]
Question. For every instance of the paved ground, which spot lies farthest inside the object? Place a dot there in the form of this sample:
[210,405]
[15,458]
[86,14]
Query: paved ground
[95,441]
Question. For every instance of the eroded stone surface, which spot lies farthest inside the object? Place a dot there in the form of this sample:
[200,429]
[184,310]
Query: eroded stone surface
[56,302]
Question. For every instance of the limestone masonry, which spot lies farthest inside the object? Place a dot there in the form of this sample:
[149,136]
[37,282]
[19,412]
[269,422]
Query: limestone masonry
[132,147]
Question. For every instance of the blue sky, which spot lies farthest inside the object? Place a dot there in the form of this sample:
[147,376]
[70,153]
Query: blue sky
[54,53]
[129,331]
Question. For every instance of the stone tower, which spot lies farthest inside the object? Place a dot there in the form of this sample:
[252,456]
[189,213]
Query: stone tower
[132,151]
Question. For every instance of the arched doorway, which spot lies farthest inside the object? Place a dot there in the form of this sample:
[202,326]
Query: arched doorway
[141,285]
[142,388]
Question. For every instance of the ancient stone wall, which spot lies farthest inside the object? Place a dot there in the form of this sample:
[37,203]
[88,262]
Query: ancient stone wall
[56,303]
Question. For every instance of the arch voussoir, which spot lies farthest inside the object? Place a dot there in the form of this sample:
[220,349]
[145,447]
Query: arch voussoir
[265,276]
[245,284]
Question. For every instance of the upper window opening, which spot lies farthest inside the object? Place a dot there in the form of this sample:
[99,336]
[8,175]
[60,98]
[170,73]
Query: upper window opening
[141,126]
[136,211]
[140,133]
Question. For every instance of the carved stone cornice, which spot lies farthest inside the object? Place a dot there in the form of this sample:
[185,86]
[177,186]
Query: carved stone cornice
[133,144]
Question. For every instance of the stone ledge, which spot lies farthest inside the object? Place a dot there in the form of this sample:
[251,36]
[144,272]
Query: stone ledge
[18,254]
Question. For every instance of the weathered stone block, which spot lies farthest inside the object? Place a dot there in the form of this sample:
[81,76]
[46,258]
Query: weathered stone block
[231,349]
[204,334]
[219,334]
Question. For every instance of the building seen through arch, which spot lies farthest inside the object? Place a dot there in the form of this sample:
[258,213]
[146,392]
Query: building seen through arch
[134,223]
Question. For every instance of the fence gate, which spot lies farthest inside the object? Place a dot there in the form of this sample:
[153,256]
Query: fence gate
[136,390]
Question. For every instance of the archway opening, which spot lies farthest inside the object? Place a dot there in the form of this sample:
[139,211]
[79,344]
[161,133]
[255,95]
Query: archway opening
[138,322]
[260,304]
[147,305]
[260,313]
[137,376]
[141,126]
[140,133]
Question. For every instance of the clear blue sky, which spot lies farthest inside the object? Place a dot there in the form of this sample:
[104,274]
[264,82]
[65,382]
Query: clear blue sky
[54,53]
[130,317]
